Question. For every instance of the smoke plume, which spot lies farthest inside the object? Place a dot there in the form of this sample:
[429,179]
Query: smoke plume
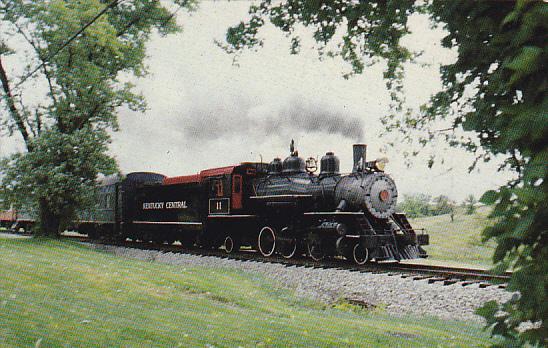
[210,121]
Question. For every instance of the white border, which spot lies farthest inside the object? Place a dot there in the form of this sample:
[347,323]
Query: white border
[217,199]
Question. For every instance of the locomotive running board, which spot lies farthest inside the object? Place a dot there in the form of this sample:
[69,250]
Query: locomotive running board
[280,197]
[231,216]
[333,213]
[168,223]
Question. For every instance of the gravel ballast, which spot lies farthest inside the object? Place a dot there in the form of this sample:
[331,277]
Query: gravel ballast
[395,294]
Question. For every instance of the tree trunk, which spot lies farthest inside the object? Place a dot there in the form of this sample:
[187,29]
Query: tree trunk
[49,222]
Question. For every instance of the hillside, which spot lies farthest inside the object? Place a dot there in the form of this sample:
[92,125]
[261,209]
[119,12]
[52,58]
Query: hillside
[457,242]
[59,293]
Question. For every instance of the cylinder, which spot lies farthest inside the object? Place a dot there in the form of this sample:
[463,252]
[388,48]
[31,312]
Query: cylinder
[360,151]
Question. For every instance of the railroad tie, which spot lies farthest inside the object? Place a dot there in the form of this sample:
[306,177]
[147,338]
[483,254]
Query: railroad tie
[422,277]
[450,281]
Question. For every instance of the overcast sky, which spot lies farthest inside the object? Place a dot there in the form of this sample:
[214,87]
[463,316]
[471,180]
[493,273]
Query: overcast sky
[205,112]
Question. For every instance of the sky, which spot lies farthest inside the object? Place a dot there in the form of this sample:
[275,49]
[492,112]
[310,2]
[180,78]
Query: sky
[204,111]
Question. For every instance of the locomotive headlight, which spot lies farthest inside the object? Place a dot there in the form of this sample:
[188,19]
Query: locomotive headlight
[380,163]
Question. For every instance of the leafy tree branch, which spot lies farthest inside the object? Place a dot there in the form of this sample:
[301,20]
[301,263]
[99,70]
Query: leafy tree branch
[495,91]
[80,47]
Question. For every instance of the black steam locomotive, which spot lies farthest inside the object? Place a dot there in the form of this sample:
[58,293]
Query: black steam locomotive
[279,208]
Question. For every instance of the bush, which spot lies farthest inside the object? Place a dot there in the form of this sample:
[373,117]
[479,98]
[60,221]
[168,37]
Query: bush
[418,205]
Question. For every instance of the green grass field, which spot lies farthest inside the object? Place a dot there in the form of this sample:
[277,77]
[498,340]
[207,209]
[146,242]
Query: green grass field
[59,293]
[457,242]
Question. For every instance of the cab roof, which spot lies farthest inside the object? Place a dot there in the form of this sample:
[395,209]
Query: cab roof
[197,178]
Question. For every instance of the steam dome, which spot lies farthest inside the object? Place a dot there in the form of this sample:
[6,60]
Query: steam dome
[293,164]
[329,164]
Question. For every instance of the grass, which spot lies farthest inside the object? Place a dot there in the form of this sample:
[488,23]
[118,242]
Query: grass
[60,293]
[457,242]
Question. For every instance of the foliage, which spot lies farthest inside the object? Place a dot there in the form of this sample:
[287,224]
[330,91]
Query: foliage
[4,202]
[66,131]
[418,205]
[470,204]
[502,55]
[86,298]
[495,90]
[59,163]
[443,205]
[369,33]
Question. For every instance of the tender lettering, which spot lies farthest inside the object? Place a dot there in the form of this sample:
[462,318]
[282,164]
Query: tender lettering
[166,205]
[176,205]
[153,205]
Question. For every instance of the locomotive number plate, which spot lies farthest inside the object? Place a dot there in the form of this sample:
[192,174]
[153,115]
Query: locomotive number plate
[219,206]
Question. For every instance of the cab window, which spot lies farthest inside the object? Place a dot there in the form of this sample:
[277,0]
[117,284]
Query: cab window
[217,188]
[237,184]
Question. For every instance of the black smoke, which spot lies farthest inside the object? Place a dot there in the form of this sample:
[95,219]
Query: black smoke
[211,121]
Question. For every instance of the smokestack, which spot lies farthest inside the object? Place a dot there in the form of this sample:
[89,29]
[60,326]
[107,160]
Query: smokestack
[359,156]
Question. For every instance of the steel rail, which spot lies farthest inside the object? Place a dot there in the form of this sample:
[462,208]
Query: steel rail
[432,273]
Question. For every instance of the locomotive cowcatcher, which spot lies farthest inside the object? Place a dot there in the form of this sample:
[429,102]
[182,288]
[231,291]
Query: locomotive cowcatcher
[280,208]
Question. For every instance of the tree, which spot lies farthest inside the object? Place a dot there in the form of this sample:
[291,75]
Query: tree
[442,205]
[416,205]
[470,204]
[496,89]
[81,50]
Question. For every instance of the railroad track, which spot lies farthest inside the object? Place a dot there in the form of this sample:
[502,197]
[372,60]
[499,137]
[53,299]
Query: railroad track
[431,273]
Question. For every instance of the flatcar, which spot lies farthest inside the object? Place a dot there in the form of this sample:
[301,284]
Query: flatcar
[277,208]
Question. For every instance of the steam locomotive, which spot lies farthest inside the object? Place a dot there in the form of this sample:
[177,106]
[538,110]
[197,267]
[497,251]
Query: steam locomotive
[276,208]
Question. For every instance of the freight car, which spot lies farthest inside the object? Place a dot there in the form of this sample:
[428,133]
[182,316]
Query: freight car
[280,208]
[16,220]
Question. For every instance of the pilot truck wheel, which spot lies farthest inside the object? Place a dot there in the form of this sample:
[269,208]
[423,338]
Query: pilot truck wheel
[360,255]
